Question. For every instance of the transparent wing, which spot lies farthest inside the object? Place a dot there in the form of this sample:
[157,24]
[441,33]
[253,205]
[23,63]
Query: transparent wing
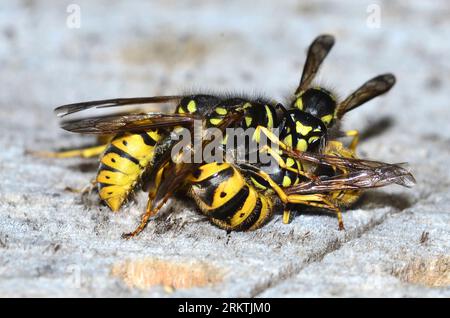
[358,171]
[113,124]
[363,179]
[65,110]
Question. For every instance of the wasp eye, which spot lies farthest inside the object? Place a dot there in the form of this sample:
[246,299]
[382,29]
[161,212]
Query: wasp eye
[318,102]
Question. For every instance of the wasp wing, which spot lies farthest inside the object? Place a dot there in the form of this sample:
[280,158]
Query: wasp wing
[112,124]
[381,173]
[357,180]
[317,52]
[65,110]
[370,89]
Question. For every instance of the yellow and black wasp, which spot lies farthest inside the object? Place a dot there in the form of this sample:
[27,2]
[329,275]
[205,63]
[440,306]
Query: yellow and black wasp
[312,168]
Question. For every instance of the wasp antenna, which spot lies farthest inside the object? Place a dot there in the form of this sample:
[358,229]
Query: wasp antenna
[317,52]
[369,90]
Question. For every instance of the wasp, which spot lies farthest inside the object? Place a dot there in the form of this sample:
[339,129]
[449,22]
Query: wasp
[313,168]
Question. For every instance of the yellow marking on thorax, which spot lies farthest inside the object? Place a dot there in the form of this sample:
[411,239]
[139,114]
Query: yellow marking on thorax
[288,140]
[192,106]
[269,117]
[290,162]
[326,119]
[286,181]
[312,139]
[299,103]
[248,120]
[302,145]
[215,121]
[302,129]
[221,111]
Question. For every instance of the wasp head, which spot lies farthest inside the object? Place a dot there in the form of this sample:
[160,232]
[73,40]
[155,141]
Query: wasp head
[317,102]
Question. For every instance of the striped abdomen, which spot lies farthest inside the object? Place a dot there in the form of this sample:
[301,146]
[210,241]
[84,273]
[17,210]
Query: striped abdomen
[224,196]
[122,165]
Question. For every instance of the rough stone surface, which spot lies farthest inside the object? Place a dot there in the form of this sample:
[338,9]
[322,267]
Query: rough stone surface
[397,241]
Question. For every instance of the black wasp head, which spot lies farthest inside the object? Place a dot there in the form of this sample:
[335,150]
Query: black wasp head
[318,102]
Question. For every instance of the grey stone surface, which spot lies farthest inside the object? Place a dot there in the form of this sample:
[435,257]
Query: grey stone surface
[52,244]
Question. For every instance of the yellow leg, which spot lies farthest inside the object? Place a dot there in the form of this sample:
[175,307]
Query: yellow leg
[283,165]
[315,200]
[273,138]
[355,139]
[318,201]
[83,153]
[287,216]
[149,212]
[157,181]
[270,135]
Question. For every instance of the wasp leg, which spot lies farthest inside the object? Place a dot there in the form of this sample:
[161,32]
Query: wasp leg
[270,135]
[157,181]
[315,200]
[318,201]
[283,165]
[281,194]
[287,216]
[273,138]
[149,212]
[86,190]
[83,152]
[355,139]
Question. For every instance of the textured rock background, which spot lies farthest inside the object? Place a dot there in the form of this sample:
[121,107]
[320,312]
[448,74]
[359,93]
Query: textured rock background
[397,241]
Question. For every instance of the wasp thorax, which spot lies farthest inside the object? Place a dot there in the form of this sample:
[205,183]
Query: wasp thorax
[303,131]
[318,102]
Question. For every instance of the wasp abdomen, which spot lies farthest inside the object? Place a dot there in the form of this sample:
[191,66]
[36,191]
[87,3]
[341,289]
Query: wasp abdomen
[224,196]
[123,164]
